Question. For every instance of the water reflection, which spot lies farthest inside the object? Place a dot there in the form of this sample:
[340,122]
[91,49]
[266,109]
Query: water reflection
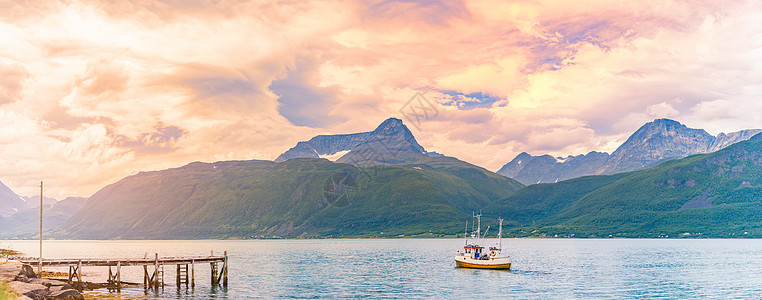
[409,268]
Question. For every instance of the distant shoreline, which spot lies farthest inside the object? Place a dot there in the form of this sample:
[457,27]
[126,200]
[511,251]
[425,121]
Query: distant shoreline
[404,237]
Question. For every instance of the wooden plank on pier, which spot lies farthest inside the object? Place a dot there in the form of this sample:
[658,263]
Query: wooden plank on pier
[105,262]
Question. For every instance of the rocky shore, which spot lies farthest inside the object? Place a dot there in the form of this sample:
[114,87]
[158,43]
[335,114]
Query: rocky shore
[24,282]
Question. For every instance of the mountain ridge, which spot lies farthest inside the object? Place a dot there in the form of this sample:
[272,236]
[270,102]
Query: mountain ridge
[10,202]
[652,143]
[385,183]
[25,223]
[718,194]
[380,146]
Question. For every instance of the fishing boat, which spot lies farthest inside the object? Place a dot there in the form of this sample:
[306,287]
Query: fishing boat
[476,256]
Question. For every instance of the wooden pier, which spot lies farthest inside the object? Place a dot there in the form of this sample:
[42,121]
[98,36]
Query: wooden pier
[153,269]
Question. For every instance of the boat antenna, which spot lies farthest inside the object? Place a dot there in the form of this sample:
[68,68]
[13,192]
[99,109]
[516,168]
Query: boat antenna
[465,233]
[481,242]
[479,225]
[500,234]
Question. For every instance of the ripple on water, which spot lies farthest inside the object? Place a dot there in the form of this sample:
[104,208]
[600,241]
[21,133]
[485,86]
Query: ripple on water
[412,268]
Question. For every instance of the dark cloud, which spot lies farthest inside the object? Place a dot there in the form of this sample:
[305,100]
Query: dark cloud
[163,140]
[565,36]
[433,12]
[221,90]
[471,100]
[301,100]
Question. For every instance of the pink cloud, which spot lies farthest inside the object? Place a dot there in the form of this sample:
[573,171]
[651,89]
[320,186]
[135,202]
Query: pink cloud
[144,85]
[12,83]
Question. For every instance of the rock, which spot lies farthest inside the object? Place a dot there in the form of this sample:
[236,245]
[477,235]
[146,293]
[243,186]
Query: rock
[39,289]
[21,277]
[8,271]
[56,288]
[34,291]
[30,287]
[48,282]
[65,286]
[65,295]
[27,271]
[37,294]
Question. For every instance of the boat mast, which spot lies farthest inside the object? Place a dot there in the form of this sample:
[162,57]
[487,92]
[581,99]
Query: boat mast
[479,226]
[39,263]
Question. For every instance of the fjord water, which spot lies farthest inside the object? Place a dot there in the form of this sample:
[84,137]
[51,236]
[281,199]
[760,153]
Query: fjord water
[423,268]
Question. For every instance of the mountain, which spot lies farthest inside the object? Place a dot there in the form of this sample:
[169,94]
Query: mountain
[717,194]
[723,140]
[324,145]
[390,143]
[654,142]
[25,224]
[529,169]
[10,202]
[384,182]
[302,197]
[34,201]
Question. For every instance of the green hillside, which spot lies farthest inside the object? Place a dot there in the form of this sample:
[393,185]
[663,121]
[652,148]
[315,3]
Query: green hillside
[243,199]
[710,195]
[539,202]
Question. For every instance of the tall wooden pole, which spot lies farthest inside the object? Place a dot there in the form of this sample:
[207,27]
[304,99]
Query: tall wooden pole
[156,272]
[225,272]
[118,276]
[39,264]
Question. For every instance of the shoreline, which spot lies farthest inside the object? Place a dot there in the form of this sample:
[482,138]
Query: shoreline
[691,237]
[19,281]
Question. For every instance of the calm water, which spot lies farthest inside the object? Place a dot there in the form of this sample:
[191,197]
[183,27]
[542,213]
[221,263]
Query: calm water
[419,268]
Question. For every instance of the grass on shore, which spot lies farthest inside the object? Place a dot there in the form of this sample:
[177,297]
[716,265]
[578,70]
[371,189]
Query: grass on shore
[9,252]
[5,292]
[51,274]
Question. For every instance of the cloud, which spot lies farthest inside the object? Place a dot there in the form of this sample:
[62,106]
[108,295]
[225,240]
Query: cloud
[661,110]
[213,90]
[433,12]
[164,140]
[11,86]
[301,99]
[92,91]
[103,76]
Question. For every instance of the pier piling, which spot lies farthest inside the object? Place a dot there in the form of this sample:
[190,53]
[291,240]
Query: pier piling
[118,276]
[152,279]
[225,270]
[156,272]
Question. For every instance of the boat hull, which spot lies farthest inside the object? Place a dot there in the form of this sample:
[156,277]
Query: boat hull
[503,263]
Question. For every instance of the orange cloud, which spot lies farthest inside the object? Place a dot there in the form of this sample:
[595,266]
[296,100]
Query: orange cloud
[101,89]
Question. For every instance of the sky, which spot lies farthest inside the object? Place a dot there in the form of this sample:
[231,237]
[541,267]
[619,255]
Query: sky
[93,91]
